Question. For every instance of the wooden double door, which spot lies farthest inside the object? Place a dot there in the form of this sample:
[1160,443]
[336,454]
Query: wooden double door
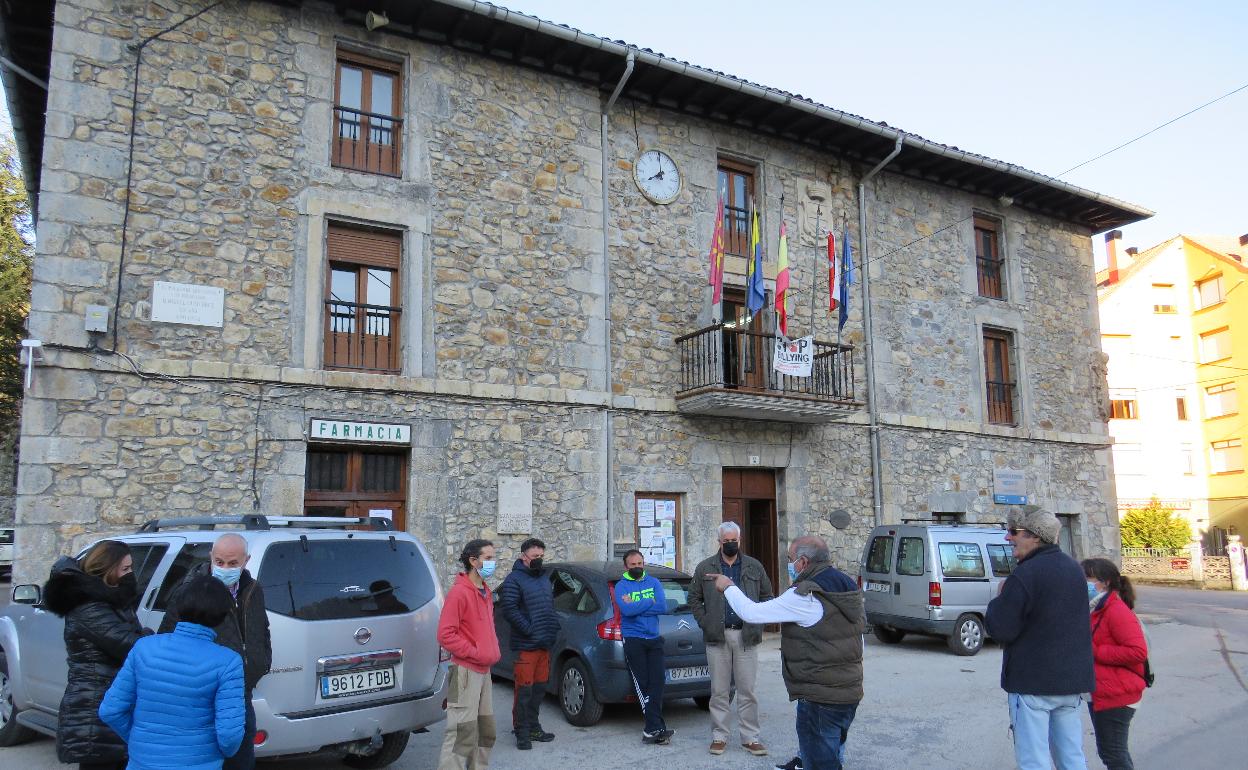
[356,482]
[749,501]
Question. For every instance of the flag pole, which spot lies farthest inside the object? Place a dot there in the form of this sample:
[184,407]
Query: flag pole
[840,268]
[814,277]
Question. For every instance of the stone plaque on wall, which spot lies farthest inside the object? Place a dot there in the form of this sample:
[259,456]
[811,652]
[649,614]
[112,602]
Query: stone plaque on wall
[515,504]
[187,303]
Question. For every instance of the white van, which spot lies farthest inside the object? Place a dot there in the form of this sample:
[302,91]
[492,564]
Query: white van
[934,579]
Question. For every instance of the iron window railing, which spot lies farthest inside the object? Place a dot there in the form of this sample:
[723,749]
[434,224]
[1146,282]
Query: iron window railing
[1001,402]
[723,357]
[990,277]
[363,337]
[366,141]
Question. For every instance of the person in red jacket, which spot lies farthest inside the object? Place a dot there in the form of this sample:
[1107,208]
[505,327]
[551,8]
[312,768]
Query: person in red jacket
[1118,651]
[466,631]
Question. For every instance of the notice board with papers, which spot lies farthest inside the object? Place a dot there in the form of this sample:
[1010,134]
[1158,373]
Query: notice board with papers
[658,527]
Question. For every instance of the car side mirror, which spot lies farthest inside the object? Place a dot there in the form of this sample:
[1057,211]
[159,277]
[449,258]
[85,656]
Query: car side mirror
[26,594]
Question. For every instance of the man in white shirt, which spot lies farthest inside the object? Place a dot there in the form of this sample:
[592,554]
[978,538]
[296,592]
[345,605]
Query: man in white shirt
[822,623]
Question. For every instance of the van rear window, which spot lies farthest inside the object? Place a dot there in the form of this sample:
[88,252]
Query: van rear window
[880,555]
[961,560]
[910,556]
[336,579]
[1002,559]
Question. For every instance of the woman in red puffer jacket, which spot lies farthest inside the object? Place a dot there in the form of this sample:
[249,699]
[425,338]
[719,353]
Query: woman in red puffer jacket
[1119,651]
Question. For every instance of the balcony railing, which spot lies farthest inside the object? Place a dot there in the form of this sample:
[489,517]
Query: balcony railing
[361,337]
[1000,402]
[366,141]
[729,372]
[990,283]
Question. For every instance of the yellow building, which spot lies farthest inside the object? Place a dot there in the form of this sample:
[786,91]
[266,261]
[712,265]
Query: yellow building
[1174,325]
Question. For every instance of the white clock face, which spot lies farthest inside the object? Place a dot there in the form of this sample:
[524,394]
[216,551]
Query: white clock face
[657,176]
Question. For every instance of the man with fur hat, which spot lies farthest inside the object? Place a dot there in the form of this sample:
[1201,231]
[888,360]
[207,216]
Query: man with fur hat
[1041,621]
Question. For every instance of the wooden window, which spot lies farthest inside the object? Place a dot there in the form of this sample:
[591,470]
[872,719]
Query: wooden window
[1221,400]
[736,187]
[356,482]
[368,103]
[1227,456]
[362,306]
[989,264]
[1209,292]
[1123,409]
[1215,345]
[999,376]
[1128,459]
[1187,459]
[658,528]
[1163,298]
[1180,406]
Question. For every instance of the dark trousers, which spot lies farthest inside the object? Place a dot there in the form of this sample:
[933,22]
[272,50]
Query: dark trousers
[119,765]
[532,670]
[645,664]
[822,729]
[245,759]
[1111,727]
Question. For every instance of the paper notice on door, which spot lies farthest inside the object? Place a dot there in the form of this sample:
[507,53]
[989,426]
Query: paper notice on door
[384,513]
[645,513]
[665,509]
[656,538]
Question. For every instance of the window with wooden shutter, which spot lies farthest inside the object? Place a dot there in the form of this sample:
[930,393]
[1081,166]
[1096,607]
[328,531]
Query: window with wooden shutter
[989,264]
[736,187]
[999,376]
[368,127]
[362,306]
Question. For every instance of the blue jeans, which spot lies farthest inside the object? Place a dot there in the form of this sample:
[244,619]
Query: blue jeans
[821,732]
[245,759]
[1044,726]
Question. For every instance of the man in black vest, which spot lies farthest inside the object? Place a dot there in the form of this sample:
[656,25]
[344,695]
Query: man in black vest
[822,623]
[1040,619]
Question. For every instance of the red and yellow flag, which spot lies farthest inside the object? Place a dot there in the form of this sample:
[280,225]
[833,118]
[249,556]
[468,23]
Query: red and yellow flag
[782,282]
[716,279]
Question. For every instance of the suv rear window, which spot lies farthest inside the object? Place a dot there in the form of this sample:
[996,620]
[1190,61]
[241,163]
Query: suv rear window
[1002,559]
[677,594]
[881,554]
[961,560]
[334,579]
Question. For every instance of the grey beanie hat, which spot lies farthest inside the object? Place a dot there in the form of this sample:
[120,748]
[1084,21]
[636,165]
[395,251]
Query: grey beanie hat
[1037,521]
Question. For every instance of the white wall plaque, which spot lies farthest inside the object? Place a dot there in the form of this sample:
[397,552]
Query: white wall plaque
[1009,487]
[188,303]
[515,504]
[360,432]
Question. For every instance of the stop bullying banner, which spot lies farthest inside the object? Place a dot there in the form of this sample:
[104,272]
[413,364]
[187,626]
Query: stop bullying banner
[794,357]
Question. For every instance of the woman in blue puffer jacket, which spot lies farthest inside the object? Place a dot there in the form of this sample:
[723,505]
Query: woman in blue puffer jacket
[178,700]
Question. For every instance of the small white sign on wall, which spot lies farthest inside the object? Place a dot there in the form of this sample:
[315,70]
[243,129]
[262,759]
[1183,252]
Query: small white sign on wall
[188,303]
[515,504]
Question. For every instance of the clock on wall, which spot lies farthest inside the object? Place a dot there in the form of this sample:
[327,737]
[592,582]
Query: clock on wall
[656,176]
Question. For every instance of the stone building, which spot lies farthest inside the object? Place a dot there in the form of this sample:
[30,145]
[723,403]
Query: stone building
[426,264]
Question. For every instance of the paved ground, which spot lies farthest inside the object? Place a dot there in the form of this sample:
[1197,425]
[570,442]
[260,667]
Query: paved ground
[925,708]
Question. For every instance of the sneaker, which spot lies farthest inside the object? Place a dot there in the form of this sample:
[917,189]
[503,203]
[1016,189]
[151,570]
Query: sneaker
[717,747]
[523,743]
[541,736]
[650,737]
[755,748]
[664,737]
[793,764]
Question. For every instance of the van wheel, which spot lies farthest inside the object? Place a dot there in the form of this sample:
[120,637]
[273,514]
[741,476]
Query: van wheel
[576,695]
[392,746]
[11,733]
[968,635]
[888,634]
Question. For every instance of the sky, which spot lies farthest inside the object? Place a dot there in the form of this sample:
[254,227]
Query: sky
[1042,85]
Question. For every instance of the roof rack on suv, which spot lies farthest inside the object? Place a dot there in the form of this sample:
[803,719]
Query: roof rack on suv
[945,521]
[255,521]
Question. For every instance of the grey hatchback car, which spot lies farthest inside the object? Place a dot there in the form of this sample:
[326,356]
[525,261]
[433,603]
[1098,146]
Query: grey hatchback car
[587,668]
[353,611]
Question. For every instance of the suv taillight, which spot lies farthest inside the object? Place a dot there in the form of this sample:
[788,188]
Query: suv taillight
[610,629]
[933,594]
[860,582]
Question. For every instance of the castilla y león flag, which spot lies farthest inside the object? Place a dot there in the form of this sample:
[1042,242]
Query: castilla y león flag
[782,282]
[717,256]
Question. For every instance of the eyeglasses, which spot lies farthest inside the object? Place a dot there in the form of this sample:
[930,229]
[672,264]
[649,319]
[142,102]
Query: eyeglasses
[1015,532]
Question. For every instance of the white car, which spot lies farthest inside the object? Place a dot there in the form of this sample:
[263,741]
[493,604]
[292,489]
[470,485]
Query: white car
[6,553]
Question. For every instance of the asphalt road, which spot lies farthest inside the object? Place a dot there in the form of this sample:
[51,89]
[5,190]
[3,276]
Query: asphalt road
[924,708]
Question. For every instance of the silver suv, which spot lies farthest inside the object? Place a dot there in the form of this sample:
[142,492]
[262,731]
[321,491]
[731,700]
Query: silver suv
[353,611]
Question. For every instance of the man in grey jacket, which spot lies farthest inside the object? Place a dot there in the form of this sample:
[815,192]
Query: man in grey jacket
[731,643]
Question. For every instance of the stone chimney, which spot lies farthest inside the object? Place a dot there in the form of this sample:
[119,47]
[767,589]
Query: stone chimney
[1111,252]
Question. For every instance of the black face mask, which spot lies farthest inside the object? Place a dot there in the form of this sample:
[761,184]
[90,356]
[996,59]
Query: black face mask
[128,587]
[731,548]
[535,566]
[636,573]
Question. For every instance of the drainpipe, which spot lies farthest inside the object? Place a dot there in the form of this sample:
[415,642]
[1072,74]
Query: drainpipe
[868,331]
[607,384]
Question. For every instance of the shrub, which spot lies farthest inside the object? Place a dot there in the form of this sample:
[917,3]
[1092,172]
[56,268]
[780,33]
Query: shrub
[1154,526]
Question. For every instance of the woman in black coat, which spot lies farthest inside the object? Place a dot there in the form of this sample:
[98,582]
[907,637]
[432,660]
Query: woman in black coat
[97,596]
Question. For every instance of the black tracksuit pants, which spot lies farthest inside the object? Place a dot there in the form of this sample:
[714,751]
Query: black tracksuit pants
[645,663]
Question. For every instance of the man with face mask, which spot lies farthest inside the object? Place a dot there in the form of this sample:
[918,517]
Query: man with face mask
[731,643]
[245,630]
[641,601]
[528,603]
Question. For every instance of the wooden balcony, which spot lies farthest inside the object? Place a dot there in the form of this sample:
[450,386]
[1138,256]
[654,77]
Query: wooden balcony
[727,372]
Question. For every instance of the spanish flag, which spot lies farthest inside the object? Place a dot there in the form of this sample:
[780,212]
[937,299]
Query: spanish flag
[782,282]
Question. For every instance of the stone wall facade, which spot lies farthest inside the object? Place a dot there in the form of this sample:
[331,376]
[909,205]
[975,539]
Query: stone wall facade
[504,362]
